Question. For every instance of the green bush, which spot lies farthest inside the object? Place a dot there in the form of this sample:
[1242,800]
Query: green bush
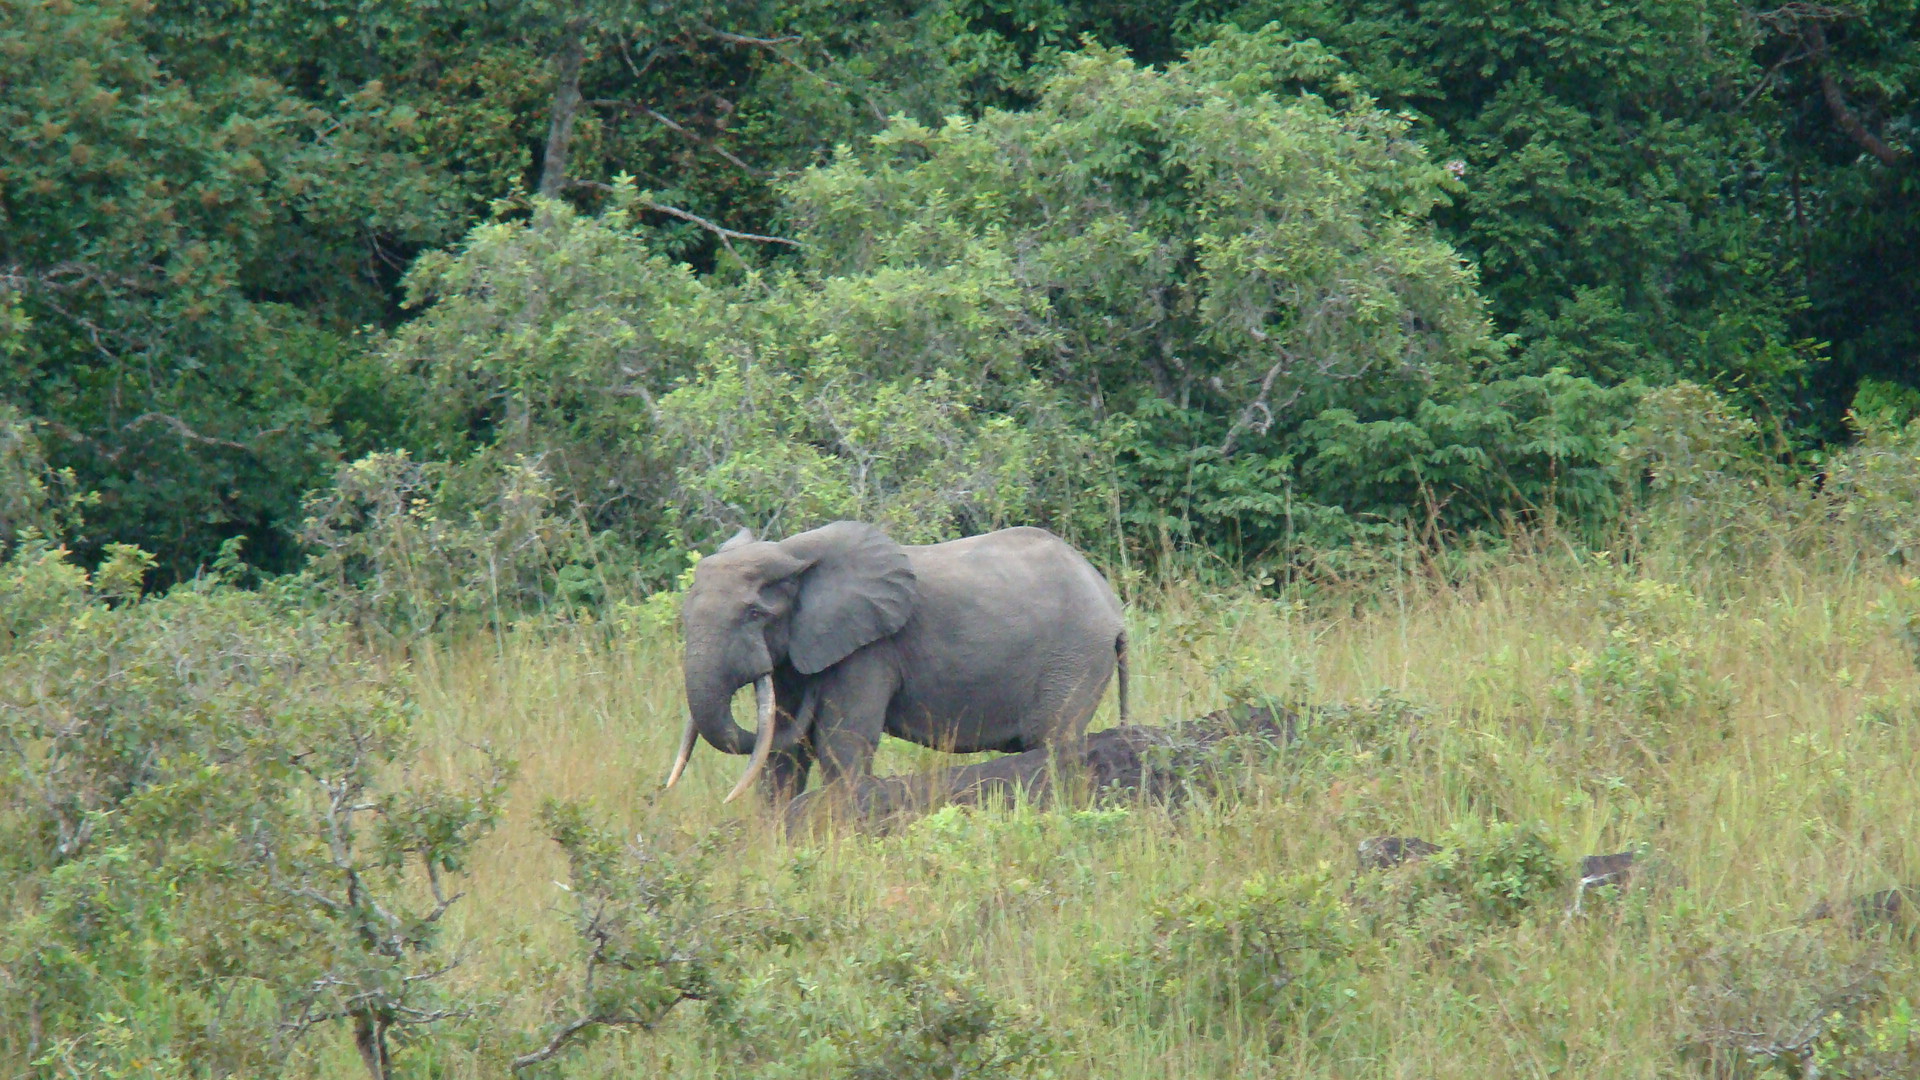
[415,547]
[903,1014]
[1165,307]
[1486,875]
[33,495]
[1274,954]
[1644,669]
[1874,487]
[209,827]
[649,935]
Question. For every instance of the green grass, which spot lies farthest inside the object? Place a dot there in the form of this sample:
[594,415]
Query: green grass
[1754,730]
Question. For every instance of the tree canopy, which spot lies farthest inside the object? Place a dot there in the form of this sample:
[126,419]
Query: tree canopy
[1244,276]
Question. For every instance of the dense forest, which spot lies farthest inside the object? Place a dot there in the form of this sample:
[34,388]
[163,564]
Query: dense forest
[1501,422]
[1256,280]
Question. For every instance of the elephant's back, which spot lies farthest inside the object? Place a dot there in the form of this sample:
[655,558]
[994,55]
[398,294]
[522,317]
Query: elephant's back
[1021,569]
[1010,627]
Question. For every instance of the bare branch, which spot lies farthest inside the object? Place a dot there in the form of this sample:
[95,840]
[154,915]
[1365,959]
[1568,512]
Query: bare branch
[1843,114]
[677,128]
[180,427]
[743,39]
[1257,414]
[718,230]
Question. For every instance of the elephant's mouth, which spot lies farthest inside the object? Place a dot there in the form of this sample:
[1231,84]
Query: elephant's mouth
[763,737]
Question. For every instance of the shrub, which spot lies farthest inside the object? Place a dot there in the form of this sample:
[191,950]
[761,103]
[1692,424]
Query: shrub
[1874,486]
[1487,874]
[1798,998]
[649,935]
[211,836]
[33,495]
[905,1015]
[415,546]
[1695,473]
[1274,952]
[1644,670]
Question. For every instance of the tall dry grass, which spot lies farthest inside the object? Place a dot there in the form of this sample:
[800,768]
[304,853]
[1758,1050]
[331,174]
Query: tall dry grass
[1753,730]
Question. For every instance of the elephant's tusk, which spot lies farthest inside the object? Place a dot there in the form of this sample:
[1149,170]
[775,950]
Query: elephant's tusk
[686,751]
[763,737]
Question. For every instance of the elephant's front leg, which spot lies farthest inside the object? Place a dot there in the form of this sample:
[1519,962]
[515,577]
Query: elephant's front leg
[852,714]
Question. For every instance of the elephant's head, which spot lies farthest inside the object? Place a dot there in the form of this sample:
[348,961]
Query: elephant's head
[809,600]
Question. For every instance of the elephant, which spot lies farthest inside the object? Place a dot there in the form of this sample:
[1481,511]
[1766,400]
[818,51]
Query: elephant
[1002,641]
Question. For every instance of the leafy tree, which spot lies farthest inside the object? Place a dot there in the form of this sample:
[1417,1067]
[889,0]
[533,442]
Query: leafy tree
[1121,310]
[1618,180]
[158,324]
[1845,80]
[1217,265]
[673,405]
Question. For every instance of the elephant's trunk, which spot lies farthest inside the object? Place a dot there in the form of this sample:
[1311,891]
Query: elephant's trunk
[710,712]
[715,723]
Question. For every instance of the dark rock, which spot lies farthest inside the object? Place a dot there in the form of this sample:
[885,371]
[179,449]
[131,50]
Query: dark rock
[1387,852]
[1897,909]
[1888,907]
[1162,764]
[1598,870]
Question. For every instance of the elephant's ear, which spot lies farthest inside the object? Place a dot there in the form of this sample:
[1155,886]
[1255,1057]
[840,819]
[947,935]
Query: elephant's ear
[744,536]
[857,589]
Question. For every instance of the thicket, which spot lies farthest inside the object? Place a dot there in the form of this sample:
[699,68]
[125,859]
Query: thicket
[1245,281]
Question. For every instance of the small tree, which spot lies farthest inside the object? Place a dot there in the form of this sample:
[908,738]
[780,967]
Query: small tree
[649,935]
[212,840]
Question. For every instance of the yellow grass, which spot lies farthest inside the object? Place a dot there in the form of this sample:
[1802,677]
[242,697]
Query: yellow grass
[1768,791]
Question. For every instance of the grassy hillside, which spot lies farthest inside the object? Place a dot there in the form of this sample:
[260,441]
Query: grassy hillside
[1752,731]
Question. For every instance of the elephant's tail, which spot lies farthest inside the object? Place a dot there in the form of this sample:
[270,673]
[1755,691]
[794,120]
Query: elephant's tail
[1120,672]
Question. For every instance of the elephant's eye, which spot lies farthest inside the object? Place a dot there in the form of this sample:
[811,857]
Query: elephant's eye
[757,613]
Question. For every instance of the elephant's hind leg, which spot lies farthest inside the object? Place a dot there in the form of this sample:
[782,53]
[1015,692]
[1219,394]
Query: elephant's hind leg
[1070,696]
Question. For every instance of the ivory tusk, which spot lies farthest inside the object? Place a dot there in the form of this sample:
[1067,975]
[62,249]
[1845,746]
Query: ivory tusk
[686,751]
[763,737]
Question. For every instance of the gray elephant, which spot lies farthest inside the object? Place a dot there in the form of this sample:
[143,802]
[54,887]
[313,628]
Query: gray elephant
[1003,641]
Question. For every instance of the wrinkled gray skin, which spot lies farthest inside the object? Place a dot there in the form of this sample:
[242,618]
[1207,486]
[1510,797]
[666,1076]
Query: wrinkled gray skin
[1004,642]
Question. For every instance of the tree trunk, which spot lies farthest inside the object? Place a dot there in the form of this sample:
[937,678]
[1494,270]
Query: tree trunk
[1843,115]
[370,1038]
[566,105]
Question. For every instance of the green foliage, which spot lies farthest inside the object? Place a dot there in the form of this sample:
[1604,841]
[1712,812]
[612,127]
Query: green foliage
[1695,473]
[33,496]
[1087,338]
[1899,611]
[1488,874]
[1797,999]
[1882,404]
[648,932]
[1615,200]
[1875,484]
[679,405]
[413,546]
[1496,871]
[196,375]
[1275,953]
[1324,274]
[1644,670]
[1197,234]
[210,831]
[911,1016]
